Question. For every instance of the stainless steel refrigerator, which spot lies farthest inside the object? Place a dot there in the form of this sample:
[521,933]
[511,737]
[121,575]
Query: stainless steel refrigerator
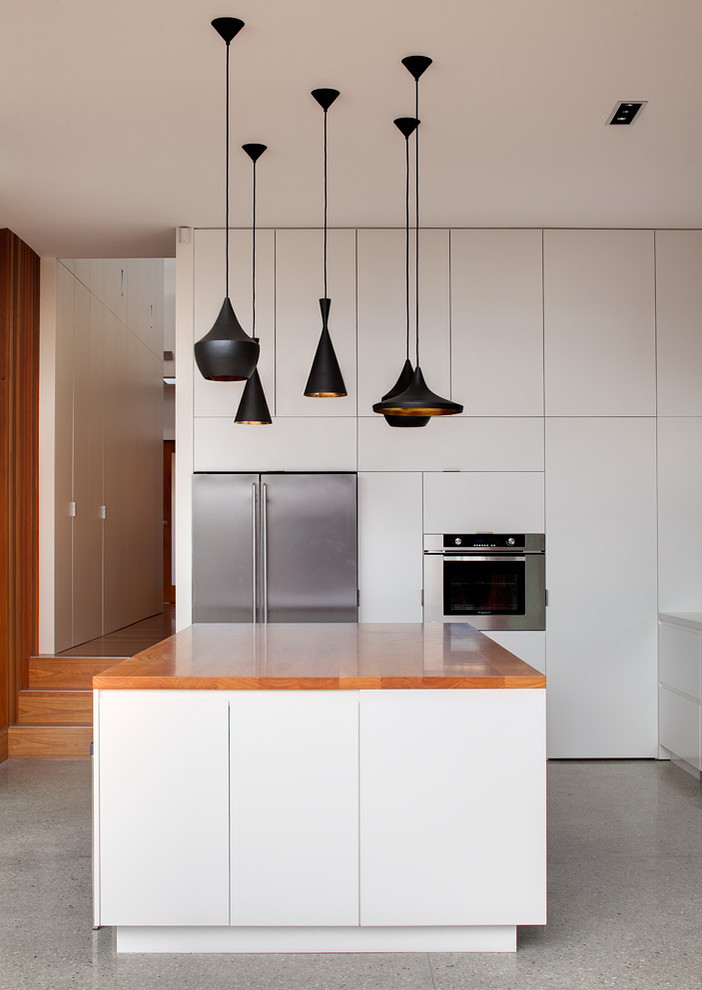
[275,548]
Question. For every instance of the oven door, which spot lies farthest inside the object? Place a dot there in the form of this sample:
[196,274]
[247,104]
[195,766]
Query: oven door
[491,591]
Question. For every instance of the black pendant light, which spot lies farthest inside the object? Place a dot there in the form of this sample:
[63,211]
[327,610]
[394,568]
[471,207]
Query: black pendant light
[226,353]
[417,400]
[407,126]
[253,408]
[325,378]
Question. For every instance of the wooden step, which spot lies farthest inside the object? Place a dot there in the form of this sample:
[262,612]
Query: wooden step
[55,708]
[49,742]
[66,673]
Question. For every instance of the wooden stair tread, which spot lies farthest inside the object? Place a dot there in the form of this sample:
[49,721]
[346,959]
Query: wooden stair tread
[49,742]
[55,708]
[66,673]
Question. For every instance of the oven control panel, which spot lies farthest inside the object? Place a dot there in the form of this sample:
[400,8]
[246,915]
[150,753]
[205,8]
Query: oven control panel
[486,541]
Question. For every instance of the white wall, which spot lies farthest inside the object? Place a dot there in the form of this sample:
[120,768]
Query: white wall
[548,338]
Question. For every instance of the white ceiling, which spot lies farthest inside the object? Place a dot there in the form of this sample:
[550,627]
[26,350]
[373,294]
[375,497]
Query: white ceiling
[111,115]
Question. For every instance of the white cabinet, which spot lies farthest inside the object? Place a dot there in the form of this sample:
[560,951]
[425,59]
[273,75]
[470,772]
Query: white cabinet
[278,813]
[294,807]
[679,513]
[382,321]
[601,563]
[109,459]
[680,687]
[678,318]
[63,471]
[161,799]
[390,546]
[87,465]
[382,339]
[484,501]
[115,286]
[299,287]
[599,323]
[453,443]
[289,443]
[445,778]
[497,322]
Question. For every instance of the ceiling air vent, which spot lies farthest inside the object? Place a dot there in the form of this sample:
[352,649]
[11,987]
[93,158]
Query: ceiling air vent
[627,112]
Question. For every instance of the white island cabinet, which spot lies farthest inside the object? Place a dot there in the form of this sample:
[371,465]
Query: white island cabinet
[320,788]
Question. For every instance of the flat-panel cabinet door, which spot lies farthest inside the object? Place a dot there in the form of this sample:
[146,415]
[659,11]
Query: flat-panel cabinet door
[63,476]
[497,322]
[87,456]
[382,314]
[162,802]
[678,317]
[223,547]
[294,807]
[599,323]
[453,807]
[390,546]
[299,286]
[308,528]
[601,635]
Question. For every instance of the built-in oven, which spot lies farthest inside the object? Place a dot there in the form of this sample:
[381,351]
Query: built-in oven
[492,580]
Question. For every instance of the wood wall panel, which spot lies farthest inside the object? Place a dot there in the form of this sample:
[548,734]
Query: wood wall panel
[19,437]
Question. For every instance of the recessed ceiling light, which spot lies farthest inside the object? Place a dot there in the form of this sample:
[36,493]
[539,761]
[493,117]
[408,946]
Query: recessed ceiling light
[626,112]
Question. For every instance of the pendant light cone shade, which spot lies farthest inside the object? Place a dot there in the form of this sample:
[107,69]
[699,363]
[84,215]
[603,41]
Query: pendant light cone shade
[417,400]
[402,383]
[325,380]
[253,408]
[226,353]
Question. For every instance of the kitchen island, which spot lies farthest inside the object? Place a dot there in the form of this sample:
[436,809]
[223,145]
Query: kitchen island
[326,787]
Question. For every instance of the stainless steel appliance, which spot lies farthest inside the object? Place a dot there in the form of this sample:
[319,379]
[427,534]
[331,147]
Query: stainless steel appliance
[492,580]
[274,548]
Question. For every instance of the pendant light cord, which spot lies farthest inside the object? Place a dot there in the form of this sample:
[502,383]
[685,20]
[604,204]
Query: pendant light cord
[407,242]
[326,199]
[226,184]
[253,255]
[416,240]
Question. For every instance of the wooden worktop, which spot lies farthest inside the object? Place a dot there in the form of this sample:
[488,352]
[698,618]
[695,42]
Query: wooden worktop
[323,656]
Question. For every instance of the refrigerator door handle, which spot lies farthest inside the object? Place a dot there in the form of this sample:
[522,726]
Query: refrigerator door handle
[264,547]
[254,499]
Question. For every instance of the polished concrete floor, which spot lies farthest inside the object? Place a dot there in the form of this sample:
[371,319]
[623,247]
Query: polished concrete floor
[625,898]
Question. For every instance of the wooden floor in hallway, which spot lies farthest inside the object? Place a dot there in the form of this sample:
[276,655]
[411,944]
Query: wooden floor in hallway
[130,640]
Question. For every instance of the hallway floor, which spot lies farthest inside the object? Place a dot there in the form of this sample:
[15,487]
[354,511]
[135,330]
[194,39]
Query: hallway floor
[129,640]
[625,898]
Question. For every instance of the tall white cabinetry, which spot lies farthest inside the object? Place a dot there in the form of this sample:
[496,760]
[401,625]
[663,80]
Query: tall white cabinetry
[108,447]
[679,317]
[600,493]
[599,323]
[601,560]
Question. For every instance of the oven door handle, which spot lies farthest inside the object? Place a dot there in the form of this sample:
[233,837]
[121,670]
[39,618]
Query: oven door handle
[472,558]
